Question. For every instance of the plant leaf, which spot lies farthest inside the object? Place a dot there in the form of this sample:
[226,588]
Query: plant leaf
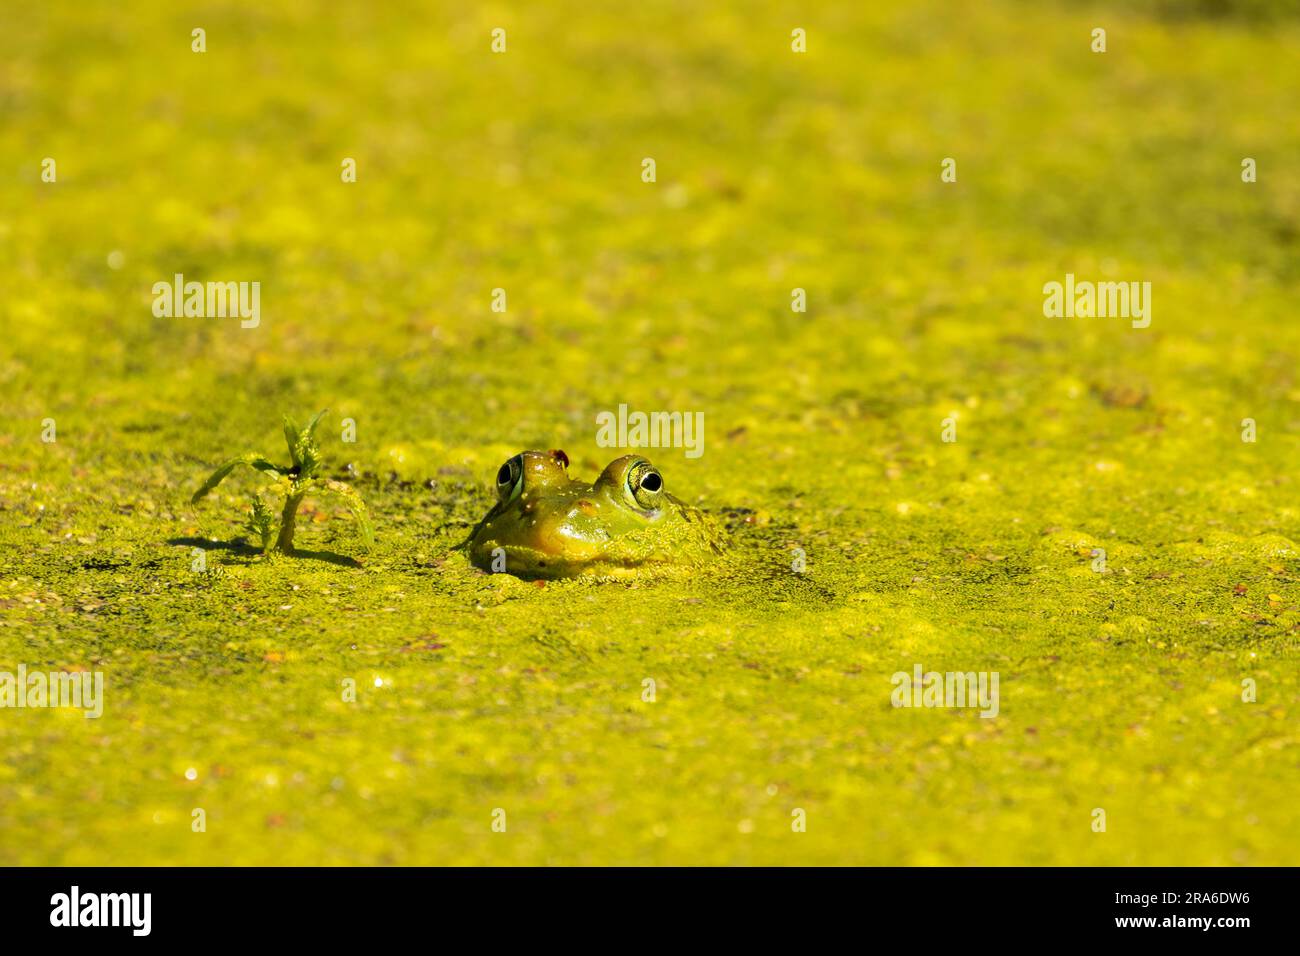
[261,522]
[310,430]
[291,433]
[357,507]
[217,477]
[306,452]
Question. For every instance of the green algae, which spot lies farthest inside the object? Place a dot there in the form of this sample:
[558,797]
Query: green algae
[225,690]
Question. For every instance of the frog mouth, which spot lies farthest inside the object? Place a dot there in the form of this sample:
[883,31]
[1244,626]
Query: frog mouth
[523,561]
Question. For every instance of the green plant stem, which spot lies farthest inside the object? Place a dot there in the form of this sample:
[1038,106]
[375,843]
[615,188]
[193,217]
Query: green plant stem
[287,518]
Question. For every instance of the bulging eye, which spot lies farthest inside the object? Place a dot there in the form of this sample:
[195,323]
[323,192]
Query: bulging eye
[508,476]
[645,484]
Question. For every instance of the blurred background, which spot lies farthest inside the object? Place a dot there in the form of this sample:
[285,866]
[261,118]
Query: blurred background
[775,170]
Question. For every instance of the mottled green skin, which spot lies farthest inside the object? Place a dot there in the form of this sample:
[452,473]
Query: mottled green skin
[547,525]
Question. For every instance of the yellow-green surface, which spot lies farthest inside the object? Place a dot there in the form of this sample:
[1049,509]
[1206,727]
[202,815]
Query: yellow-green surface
[1119,690]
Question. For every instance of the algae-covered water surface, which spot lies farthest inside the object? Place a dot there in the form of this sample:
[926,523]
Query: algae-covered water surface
[825,238]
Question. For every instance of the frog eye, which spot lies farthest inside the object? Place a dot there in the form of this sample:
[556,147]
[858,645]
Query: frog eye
[645,484]
[508,476]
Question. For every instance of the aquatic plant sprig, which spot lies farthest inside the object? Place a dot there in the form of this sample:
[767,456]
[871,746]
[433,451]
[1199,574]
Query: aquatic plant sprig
[300,478]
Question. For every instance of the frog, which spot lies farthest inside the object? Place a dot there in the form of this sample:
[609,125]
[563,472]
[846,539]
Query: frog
[625,524]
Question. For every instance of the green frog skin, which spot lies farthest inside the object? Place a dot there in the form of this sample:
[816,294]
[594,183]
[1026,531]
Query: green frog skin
[622,525]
